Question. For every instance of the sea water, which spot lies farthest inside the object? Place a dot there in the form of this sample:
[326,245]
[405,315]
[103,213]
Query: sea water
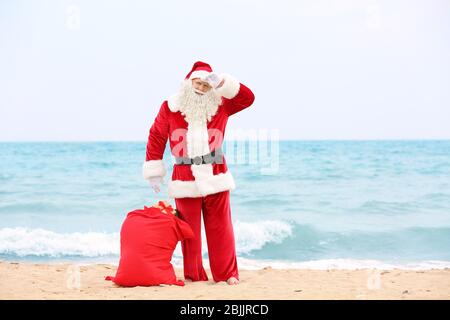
[326,204]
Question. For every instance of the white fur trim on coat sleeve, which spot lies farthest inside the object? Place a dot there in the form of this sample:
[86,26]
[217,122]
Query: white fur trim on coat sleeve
[230,87]
[172,103]
[153,168]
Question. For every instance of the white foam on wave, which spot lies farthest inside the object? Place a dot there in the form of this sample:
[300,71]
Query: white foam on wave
[40,242]
[326,264]
[254,235]
[330,264]
[341,264]
[249,236]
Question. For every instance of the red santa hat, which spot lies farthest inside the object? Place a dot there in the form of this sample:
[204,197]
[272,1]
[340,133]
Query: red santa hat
[200,70]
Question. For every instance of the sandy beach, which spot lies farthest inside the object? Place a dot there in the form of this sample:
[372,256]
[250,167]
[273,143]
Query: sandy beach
[66,281]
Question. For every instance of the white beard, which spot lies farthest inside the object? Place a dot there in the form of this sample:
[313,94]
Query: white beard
[198,108]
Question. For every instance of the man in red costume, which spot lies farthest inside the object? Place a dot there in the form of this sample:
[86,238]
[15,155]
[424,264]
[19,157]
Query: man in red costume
[194,121]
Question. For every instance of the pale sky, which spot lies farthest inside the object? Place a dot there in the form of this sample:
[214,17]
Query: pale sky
[83,70]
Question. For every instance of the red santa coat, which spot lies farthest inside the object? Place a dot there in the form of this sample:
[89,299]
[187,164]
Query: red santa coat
[194,139]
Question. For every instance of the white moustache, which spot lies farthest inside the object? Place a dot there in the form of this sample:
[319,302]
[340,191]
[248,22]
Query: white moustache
[198,91]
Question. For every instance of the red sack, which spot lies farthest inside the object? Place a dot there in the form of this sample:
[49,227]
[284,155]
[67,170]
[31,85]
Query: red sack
[148,239]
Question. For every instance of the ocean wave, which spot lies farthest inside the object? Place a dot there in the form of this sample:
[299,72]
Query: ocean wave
[392,207]
[326,264]
[5,176]
[40,242]
[32,206]
[253,236]
[266,240]
[23,242]
[437,196]
[341,264]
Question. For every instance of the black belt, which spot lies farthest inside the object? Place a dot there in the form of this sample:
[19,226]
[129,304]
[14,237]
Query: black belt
[215,156]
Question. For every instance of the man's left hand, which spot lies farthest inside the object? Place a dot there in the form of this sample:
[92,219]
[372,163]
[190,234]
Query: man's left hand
[220,84]
[214,80]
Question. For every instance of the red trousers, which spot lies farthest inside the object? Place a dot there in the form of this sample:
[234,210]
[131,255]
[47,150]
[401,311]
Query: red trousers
[219,237]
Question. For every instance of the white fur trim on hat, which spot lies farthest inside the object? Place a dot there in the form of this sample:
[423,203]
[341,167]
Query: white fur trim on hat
[193,189]
[199,74]
[230,87]
[153,168]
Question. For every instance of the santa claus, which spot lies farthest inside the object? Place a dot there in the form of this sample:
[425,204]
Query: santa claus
[194,120]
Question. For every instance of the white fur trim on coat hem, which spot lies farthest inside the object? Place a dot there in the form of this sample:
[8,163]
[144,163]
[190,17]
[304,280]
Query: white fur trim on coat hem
[193,189]
[153,168]
[230,87]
